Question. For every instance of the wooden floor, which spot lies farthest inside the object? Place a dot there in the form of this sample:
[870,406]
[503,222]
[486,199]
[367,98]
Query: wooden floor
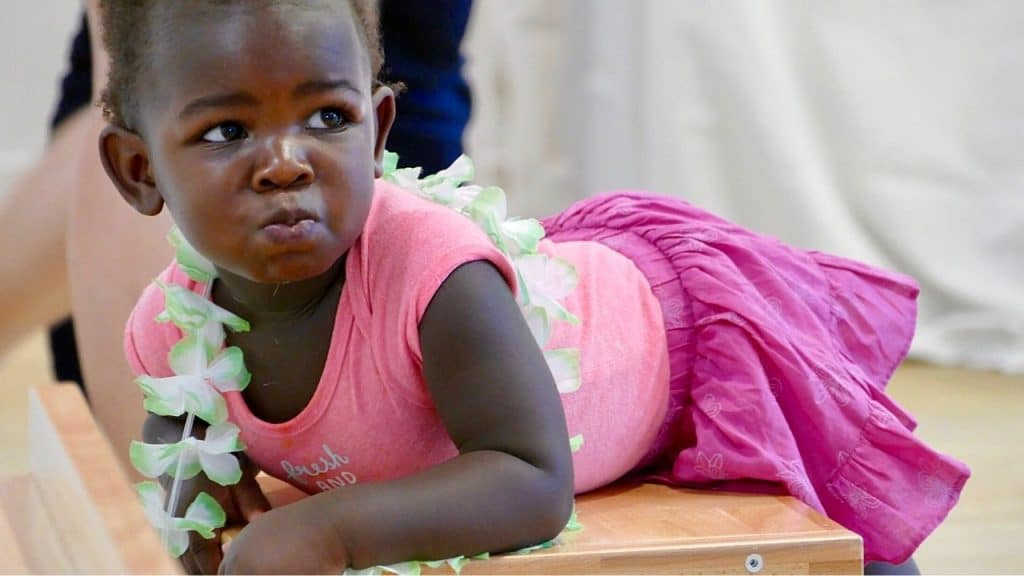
[978,417]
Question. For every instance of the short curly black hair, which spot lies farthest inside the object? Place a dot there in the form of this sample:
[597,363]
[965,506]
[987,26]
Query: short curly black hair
[126,33]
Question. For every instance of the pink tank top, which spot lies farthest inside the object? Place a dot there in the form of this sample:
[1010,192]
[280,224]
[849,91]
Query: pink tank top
[371,418]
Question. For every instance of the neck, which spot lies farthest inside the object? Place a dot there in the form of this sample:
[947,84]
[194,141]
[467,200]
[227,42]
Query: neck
[261,303]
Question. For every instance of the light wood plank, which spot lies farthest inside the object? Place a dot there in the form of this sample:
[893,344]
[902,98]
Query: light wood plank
[651,529]
[12,560]
[34,535]
[99,522]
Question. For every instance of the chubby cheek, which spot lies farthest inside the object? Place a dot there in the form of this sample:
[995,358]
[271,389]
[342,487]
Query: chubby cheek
[347,194]
[213,228]
[351,215]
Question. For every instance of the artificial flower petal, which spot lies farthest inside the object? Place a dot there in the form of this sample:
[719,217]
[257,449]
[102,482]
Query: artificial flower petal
[153,460]
[175,395]
[188,465]
[459,172]
[523,235]
[164,396]
[371,571]
[457,563]
[554,308]
[222,439]
[190,311]
[186,309]
[528,549]
[552,277]
[205,402]
[576,442]
[223,469]
[441,192]
[227,373]
[537,320]
[177,542]
[235,323]
[194,264]
[488,206]
[564,364]
[411,568]
[463,196]
[389,163]
[152,497]
[574,522]
[188,356]
[174,531]
[204,516]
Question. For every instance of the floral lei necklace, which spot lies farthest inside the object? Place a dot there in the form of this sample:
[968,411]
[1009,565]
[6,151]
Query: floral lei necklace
[204,369]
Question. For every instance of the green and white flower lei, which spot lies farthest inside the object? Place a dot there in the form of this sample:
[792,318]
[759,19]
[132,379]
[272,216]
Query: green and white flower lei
[204,368]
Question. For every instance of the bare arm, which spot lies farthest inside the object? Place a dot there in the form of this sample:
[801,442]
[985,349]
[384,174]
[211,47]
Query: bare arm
[511,485]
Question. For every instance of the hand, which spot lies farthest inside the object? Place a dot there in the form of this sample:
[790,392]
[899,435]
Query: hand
[293,539]
[242,503]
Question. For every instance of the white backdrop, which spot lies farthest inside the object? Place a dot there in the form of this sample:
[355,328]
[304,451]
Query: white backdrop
[35,36]
[891,132]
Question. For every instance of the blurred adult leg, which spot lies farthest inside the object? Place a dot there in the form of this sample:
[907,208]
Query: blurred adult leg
[33,215]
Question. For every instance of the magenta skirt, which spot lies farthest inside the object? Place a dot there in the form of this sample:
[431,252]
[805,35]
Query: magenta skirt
[779,360]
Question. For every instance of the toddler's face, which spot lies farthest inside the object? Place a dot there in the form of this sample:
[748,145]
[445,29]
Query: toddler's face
[261,130]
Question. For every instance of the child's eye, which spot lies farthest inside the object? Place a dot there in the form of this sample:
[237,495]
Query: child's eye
[326,119]
[225,132]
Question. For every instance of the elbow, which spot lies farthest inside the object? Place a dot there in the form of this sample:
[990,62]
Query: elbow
[555,504]
[557,516]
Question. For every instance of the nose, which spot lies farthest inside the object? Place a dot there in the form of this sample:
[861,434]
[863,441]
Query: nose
[282,165]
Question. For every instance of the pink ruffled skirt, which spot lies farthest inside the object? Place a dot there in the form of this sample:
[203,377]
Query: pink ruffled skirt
[779,362]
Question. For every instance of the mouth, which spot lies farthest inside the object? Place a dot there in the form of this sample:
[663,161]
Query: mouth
[288,217]
[292,228]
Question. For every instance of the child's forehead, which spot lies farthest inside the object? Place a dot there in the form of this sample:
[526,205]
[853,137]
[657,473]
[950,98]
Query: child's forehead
[252,26]
[209,41]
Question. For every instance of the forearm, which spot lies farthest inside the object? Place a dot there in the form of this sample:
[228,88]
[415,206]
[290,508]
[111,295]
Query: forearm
[484,501]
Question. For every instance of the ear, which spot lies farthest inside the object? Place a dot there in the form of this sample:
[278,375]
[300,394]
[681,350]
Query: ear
[126,161]
[384,111]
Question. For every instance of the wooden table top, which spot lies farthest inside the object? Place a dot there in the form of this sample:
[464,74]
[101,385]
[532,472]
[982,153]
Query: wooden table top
[648,528]
[76,512]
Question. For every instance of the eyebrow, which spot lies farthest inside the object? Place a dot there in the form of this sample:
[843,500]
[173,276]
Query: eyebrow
[305,89]
[204,103]
[311,87]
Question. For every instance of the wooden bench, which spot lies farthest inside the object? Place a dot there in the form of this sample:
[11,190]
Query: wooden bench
[75,512]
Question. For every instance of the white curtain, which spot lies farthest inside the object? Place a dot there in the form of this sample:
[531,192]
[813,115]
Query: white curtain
[889,132]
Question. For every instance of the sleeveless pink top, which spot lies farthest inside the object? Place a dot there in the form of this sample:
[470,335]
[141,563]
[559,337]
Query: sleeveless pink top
[371,418]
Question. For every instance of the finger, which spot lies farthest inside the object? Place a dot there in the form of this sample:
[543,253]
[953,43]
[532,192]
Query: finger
[206,554]
[250,498]
[249,468]
[189,563]
[232,513]
[227,535]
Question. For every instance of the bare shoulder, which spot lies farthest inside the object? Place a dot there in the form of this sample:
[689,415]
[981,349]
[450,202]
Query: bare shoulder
[487,375]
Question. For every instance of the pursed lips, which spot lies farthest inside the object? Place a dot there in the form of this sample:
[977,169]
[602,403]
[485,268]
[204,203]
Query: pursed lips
[288,216]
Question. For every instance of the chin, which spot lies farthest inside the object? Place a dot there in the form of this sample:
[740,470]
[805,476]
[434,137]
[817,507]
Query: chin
[287,269]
